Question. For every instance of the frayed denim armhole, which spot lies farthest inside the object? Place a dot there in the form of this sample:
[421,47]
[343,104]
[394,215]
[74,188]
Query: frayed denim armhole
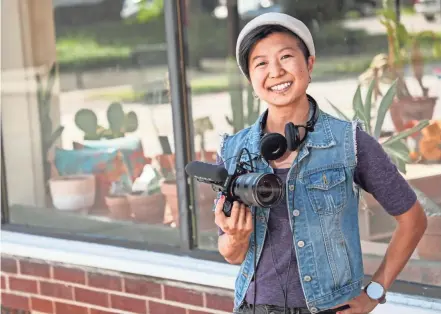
[221,148]
[356,124]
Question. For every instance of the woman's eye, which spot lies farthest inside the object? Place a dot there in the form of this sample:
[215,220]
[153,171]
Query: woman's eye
[259,64]
[286,56]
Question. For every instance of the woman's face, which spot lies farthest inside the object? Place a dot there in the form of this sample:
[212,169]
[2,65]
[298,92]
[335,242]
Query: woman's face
[279,72]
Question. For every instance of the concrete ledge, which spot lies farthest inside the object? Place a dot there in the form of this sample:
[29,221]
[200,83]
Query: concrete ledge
[178,268]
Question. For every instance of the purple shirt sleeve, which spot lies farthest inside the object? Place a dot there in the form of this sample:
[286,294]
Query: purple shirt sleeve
[376,174]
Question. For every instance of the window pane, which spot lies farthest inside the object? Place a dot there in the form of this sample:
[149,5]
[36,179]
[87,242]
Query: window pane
[89,145]
[347,39]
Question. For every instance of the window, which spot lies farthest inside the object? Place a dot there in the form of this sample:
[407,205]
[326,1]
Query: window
[88,132]
[94,139]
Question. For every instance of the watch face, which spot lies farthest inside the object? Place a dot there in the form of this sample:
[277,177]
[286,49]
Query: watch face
[375,290]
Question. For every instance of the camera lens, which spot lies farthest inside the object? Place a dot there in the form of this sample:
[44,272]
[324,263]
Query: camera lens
[256,189]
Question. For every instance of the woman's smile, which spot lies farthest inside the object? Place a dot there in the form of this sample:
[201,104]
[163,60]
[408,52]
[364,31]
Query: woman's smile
[281,88]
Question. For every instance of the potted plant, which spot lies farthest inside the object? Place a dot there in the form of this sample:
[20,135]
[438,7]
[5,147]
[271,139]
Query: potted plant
[397,149]
[403,48]
[147,203]
[73,192]
[117,202]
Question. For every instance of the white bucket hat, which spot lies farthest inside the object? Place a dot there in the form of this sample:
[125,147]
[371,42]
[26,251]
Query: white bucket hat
[274,18]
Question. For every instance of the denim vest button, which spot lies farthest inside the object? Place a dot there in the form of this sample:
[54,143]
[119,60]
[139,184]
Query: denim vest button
[296,212]
[291,187]
[314,310]
[301,244]
[307,278]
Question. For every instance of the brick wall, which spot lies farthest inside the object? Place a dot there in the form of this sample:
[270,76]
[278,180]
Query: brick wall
[36,286]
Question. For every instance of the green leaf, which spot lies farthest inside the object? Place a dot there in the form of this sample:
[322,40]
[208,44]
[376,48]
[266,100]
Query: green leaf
[399,148]
[50,84]
[385,104]
[357,102]
[397,137]
[398,158]
[368,106]
[399,152]
[339,112]
[54,137]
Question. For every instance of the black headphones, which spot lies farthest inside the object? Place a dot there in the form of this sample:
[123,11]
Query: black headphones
[274,145]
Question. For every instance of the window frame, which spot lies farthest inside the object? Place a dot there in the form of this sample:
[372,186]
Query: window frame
[183,133]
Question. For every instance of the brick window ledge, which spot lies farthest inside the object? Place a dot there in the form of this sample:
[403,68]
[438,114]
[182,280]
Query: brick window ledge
[82,277]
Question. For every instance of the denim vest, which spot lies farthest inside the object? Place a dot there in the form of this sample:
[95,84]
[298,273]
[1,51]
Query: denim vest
[323,211]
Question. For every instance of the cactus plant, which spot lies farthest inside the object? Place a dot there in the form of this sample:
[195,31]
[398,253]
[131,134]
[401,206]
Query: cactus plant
[119,123]
[44,99]
[241,118]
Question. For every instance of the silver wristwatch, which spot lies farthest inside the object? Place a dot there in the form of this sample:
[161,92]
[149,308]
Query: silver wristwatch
[376,291]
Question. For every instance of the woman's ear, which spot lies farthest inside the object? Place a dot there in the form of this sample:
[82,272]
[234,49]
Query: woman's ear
[311,61]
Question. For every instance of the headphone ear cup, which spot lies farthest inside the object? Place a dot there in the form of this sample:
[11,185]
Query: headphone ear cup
[273,146]
[292,136]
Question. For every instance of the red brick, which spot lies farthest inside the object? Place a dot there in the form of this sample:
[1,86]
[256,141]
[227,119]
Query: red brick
[129,304]
[42,305]
[142,287]
[183,295]
[35,269]
[9,265]
[92,297]
[56,290]
[197,312]
[105,281]
[3,283]
[15,302]
[70,309]
[218,302]
[69,274]
[24,285]
[156,307]
[95,311]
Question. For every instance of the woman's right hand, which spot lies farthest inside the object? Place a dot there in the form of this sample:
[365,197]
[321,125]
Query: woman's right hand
[238,226]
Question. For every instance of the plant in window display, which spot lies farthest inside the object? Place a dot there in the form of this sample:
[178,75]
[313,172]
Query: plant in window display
[116,200]
[44,99]
[119,123]
[403,48]
[398,150]
[146,200]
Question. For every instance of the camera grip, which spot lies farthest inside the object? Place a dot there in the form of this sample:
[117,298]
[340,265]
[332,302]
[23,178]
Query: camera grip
[228,205]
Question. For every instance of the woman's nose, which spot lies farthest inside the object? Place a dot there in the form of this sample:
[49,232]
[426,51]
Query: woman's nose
[276,69]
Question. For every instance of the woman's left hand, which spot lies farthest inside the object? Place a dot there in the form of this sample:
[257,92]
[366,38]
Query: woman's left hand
[359,305]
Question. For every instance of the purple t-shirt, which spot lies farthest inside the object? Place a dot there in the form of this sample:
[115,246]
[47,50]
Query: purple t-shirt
[374,173]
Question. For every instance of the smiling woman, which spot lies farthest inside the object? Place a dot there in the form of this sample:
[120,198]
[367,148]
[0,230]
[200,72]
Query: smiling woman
[307,244]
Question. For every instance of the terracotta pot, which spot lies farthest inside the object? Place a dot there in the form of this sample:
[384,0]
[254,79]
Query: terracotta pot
[430,244]
[411,108]
[72,192]
[118,207]
[147,208]
[170,191]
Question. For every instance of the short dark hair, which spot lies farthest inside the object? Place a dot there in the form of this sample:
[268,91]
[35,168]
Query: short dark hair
[259,33]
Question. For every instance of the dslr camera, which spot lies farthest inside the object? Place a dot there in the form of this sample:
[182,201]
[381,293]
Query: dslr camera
[244,185]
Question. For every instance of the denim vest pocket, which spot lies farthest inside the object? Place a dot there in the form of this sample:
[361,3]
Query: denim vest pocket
[325,187]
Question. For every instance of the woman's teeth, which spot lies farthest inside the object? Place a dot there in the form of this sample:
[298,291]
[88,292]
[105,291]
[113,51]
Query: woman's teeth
[281,87]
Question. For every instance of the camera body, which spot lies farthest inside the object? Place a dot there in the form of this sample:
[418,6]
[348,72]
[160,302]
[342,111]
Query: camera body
[244,185]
